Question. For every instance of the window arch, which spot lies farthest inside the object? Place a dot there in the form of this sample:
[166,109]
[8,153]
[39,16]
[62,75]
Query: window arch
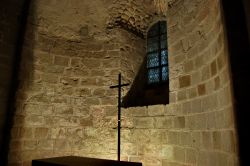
[157,54]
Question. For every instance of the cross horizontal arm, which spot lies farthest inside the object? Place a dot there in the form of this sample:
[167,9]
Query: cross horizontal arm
[117,86]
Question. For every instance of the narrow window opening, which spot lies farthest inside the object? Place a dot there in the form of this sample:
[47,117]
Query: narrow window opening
[157,54]
[151,85]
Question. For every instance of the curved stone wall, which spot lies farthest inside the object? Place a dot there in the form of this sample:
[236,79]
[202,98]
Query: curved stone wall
[197,127]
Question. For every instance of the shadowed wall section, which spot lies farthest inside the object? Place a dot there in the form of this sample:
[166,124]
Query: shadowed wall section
[12,15]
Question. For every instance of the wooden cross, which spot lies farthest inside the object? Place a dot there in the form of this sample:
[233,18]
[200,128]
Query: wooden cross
[119,86]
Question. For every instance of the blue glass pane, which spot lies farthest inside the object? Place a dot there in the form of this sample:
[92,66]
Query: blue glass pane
[153,76]
[163,25]
[165,73]
[152,60]
[163,43]
[164,57]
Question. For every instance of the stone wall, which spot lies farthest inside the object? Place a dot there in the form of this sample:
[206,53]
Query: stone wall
[197,127]
[70,58]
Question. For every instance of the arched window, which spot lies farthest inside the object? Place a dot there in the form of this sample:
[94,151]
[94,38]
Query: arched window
[157,54]
[151,85]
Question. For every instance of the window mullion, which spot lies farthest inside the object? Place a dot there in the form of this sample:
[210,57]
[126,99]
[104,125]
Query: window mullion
[159,51]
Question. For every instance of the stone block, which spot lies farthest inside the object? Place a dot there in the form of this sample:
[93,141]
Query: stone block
[144,122]
[50,78]
[172,97]
[188,66]
[185,139]
[15,144]
[210,102]
[136,111]
[179,122]
[62,145]
[163,122]
[173,137]
[94,47]
[180,154]
[217,140]
[34,120]
[58,133]
[54,69]
[196,139]
[99,92]
[173,84]
[83,92]
[128,149]
[167,152]
[221,62]
[67,121]
[191,156]
[91,63]
[203,158]
[78,72]
[97,73]
[186,107]
[156,110]
[201,121]
[44,144]
[61,61]
[179,58]
[225,97]
[41,133]
[213,67]
[228,143]
[182,95]
[220,119]
[72,81]
[216,83]
[43,57]
[201,89]
[205,73]
[211,120]
[62,110]
[196,106]
[195,78]
[91,81]
[199,62]
[18,120]
[30,145]
[75,62]
[207,140]
[88,121]
[108,100]
[185,81]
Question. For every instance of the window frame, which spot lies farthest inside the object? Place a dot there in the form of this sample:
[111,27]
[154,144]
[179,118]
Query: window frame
[159,50]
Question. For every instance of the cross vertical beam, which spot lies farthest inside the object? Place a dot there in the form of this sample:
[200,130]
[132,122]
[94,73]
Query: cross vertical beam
[119,86]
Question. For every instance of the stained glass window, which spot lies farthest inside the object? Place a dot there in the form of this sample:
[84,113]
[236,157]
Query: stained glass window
[157,53]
